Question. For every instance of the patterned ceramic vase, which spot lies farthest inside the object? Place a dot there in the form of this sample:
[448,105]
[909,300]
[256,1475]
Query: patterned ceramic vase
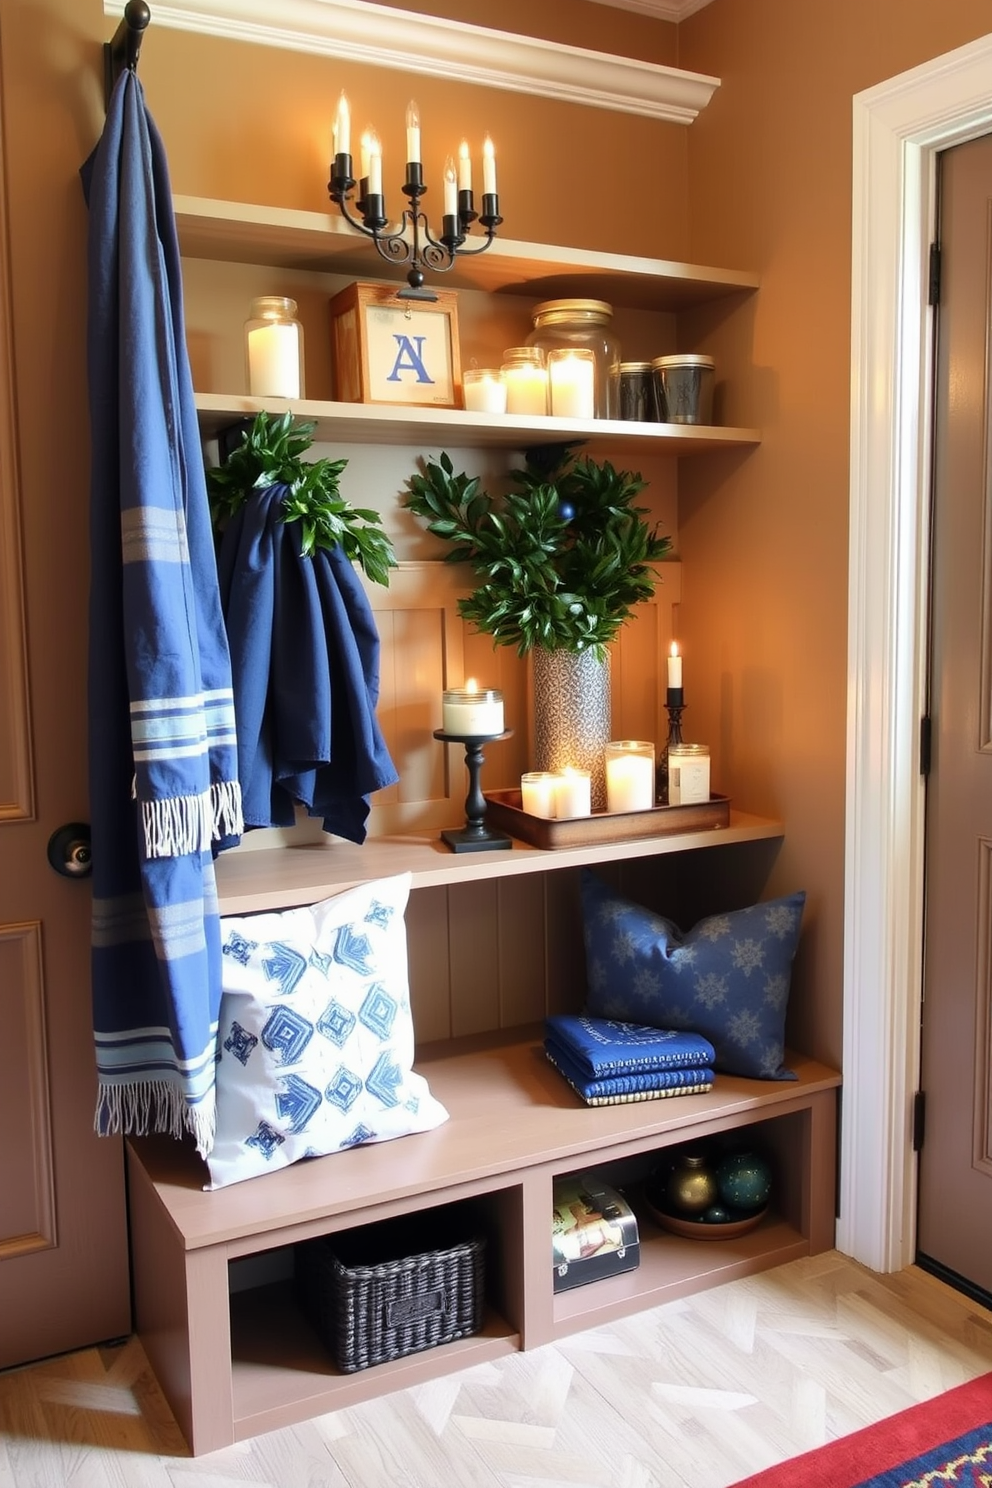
[572,714]
[744,1180]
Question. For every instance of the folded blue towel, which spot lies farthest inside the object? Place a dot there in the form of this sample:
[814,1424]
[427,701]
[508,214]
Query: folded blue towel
[619,1089]
[603,1046]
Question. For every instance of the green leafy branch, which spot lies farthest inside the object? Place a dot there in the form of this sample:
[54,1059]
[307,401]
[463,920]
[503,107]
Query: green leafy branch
[562,559]
[270,453]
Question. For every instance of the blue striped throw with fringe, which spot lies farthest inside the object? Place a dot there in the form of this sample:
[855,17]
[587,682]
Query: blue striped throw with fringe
[162,745]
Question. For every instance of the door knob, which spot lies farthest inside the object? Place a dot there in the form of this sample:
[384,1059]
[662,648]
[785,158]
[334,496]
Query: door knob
[70,851]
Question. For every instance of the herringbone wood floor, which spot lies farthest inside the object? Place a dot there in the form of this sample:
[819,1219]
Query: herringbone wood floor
[699,1392]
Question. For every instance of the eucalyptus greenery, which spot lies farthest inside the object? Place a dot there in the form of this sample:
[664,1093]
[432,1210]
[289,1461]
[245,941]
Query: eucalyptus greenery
[562,559]
[270,454]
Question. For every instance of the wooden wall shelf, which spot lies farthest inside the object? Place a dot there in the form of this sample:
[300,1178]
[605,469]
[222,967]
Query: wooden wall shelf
[250,880]
[240,232]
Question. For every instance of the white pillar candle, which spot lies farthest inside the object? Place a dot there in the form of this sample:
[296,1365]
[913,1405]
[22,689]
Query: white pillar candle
[674,667]
[629,775]
[484,390]
[472,711]
[537,792]
[274,361]
[573,793]
[572,375]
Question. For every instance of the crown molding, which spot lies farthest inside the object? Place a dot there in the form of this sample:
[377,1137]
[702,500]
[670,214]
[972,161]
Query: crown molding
[357,31]
[660,10]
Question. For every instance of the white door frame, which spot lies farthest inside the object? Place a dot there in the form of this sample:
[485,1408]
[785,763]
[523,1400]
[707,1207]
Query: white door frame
[899,127]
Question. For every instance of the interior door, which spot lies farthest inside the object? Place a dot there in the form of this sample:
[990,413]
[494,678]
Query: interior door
[955,1191]
[63,1244]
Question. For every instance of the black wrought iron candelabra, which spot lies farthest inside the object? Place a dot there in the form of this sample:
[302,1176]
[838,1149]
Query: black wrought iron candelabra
[412,242]
[674,706]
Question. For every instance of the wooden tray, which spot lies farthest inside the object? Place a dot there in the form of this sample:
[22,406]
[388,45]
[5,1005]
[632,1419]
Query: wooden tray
[504,809]
[700,1229]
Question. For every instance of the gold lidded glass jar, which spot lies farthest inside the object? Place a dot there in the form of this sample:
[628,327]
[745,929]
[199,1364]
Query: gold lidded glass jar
[583,323]
[274,348]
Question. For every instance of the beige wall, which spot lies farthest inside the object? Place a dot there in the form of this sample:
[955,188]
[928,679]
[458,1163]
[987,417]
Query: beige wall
[761,181]
[764,540]
[567,174]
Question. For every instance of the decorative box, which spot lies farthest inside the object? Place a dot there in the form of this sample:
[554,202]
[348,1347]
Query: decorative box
[387,349]
[593,1232]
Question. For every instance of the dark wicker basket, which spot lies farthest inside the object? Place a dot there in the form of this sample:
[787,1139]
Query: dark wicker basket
[385,1290]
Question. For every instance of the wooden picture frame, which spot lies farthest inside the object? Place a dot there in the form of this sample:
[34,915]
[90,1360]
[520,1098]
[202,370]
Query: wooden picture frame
[391,350]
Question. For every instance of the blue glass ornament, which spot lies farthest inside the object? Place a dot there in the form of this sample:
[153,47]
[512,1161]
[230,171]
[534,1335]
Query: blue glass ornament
[744,1180]
[566,511]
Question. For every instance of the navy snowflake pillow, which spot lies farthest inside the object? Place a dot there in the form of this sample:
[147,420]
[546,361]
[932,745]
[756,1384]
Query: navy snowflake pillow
[727,978]
[316,1036]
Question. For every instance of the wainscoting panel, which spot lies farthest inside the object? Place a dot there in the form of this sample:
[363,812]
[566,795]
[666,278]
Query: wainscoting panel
[27,1192]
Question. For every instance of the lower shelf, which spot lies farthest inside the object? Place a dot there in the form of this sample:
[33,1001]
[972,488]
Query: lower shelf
[279,1366]
[671,1267]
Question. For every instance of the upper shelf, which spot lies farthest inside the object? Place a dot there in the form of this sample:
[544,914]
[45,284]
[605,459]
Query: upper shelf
[323,242]
[378,423]
[253,879]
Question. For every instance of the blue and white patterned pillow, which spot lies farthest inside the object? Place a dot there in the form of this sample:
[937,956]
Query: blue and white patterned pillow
[728,978]
[316,1037]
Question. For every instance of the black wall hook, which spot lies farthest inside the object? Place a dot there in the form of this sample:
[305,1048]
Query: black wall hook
[123,49]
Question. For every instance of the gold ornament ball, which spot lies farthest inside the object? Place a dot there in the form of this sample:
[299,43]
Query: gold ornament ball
[691,1187]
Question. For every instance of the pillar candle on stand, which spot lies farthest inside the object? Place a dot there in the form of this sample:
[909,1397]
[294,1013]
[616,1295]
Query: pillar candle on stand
[472,711]
[674,678]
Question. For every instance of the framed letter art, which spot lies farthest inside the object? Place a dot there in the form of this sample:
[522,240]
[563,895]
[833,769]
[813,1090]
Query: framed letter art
[391,350]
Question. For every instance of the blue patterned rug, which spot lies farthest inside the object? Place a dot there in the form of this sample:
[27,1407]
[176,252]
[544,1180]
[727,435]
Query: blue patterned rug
[941,1443]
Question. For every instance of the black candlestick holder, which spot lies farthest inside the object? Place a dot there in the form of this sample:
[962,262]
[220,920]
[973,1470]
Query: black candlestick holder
[675,707]
[413,242]
[475,836]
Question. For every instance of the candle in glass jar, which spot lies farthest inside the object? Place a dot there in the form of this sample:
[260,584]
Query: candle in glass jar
[572,374]
[484,390]
[630,775]
[573,793]
[537,792]
[274,361]
[688,774]
[472,711]
[526,376]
